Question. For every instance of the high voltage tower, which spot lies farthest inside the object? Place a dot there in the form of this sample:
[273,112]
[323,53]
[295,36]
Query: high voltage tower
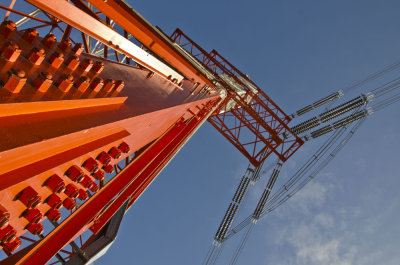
[94,103]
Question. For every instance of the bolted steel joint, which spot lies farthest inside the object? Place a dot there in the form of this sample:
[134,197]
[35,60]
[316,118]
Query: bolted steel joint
[8,28]
[49,40]
[65,82]
[97,84]
[30,35]
[14,80]
[36,56]
[43,82]
[10,51]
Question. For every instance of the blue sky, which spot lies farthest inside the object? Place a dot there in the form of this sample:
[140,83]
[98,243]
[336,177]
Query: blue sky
[298,52]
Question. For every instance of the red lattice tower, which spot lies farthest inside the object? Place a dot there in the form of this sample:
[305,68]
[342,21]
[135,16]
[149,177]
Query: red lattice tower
[248,118]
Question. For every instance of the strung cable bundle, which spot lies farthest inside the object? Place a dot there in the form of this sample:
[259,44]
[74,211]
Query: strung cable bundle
[382,96]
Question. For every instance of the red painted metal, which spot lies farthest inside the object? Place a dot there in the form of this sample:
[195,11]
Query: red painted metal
[249,119]
[67,231]
[82,128]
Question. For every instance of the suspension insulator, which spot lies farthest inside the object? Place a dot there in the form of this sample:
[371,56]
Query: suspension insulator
[349,119]
[322,131]
[304,110]
[239,189]
[327,99]
[343,108]
[264,197]
[229,222]
[218,235]
[305,126]
[246,185]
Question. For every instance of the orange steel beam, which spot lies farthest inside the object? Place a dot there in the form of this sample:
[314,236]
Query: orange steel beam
[11,109]
[144,165]
[80,20]
[149,36]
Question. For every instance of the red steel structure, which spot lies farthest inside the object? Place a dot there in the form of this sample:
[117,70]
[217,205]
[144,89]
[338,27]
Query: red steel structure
[94,102]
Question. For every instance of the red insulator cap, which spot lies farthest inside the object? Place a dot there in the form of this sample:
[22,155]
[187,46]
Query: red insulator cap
[53,215]
[82,195]
[90,165]
[86,182]
[10,247]
[4,218]
[32,215]
[104,158]
[7,234]
[124,147]
[29,197]
[69,204]
[54,201]
[99,175]
[71,191]
[94,187]
[108,168]
[114,152]
[74,173]
[35,229]
[55,183]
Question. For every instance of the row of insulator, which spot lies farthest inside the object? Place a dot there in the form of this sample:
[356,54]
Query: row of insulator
[241,190]
[15,79]
[226,222]
[321,131]
[329,115]
[267,191]
[31,199]
[340,123]
[319,103]
[305,126]
[343,108]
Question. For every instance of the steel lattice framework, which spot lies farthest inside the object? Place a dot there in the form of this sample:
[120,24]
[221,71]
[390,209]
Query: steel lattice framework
[94,102]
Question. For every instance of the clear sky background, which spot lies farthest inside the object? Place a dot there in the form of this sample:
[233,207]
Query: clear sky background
[298,52]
